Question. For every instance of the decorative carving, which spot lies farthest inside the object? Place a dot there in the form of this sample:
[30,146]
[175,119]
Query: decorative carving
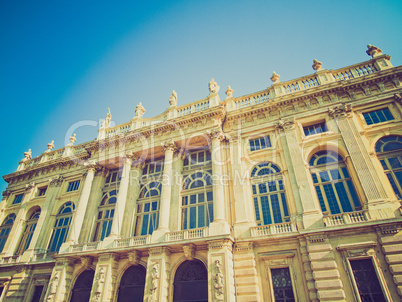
[27,155]
[275,77]
[106,122]
[373,51]
[153,292]
[216,134]
[50,146]
[6,193]
[213,87]
[173,99]
[398,97]
[29,186]
[317,66]
[139,110]
[189,251]
[286,124]
[220,244]
[134,257]
[85,261]
[244,246]
[53,287]
[218,282]
[100,281]
[340,111]
[229,92]
[169,145]
[390,229]
[56,181]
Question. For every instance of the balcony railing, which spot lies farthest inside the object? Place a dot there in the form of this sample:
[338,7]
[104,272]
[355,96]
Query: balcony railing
[132,241]
[187,234]
[272,229]
[346,218]
[81,247]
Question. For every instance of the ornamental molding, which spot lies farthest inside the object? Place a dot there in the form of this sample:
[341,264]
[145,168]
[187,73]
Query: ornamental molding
[286,124]
[243,246]
[108,256]
[220,244]
[53,287]
[56,181]
[134,257]
[216,134]
[153,291]
[169,145]
[161,250]
[99,284]
[219,293]
[189,251]
[389,229]
[86,261]
[343,110]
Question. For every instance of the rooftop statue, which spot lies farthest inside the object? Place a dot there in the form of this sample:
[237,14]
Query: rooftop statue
[275,77]
[139,110]
[373,51]
[72,139]
[50,146]
[213,86]
[229,92]
[28,155]
[173,99]
[317,66]
[106,122]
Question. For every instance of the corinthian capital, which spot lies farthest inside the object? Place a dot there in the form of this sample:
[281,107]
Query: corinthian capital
[286,124]
[340,111]
[169,145]
[216,134]
[91,165]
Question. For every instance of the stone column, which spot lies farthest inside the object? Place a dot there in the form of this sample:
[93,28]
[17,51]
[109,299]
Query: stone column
[219,226]
[79,214]
[105,278]
[373,188]
[121,200]
[306,201]
[158,274]
[220,270]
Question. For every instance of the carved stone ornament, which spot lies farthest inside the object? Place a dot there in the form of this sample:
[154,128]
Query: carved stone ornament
[340,111]
[398,97]
[218,282]
[275,77]
[50,146]
[189,251]
[6,194]
[286,124]
[27,155]
[56,181]
[107,121]
[173,99]
[53,287]
[134,257]
[373,51]
[317,66]
[139,110]
[169,145]
[100,282]
[229,92]
[153,291]
[85,261]
[29,186]
[213,87]
[73,139]
[216,134]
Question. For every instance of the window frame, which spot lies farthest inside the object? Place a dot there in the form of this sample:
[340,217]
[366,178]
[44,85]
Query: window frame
[74,186]
[17,196]
[42,190]
[319,123]
[367,112]
[188,161]
[266,139]
[28,232]
[59,216]
[5,226]
[105,214]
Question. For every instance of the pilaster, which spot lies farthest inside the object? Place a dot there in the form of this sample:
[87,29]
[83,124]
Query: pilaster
[60,281]
[105,278]
[158,274]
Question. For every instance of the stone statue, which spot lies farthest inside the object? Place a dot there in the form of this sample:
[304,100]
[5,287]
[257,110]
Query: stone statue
[106,122]
[275,77]
[28,155]
[218,284]
[373,51]
[173,99]
[139,110]
[229,92]
[50,146]
[100,281]
[154,283]
[72,139]
[213,86]
[317,65]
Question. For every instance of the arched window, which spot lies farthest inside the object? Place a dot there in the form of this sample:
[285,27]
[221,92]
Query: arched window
[29,230]
[148,208]
[132,284]
[269,194]
[105,215]
[82,287]
[61,227]
[5,230]
[389,152]
[333,183]
[191,282]
[197,201]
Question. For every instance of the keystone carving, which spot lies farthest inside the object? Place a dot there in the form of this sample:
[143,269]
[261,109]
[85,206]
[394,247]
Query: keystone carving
[134,257]
[85,262]
[189,251]
[218,282]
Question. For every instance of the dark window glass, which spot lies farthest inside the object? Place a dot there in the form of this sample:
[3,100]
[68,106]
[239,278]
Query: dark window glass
[37,293]
[82,287]
[191,282]
[260,143]
[18,198]
[378,116]
[73,186]
[314,129]
[282,283]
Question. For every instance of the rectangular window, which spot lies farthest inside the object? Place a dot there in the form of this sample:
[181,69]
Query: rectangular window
[42,191]
[153,168]
[260,143]
[37,293]
[282,284]
[114,176]
[18,198]
[73,186]
[366,280]
[378,116]
[196,159]
[315,129]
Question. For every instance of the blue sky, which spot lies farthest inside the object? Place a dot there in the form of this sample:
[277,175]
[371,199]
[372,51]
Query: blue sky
[63,63]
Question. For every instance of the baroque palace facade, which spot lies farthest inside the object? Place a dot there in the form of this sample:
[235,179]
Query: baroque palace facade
[288,194]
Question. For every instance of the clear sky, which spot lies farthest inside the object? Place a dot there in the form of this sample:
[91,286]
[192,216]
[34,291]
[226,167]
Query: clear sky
[63,63]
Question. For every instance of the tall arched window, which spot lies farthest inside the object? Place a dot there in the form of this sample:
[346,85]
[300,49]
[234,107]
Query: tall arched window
[333,183]
[269,194]
[197,200]
[389,152]
[61,227]
[82,287]
[5,230]
[132,284]
[105,215]
[191,282]
[29,230]
[148,208]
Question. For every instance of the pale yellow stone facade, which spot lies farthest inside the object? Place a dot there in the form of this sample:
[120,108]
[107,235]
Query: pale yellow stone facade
[348,112]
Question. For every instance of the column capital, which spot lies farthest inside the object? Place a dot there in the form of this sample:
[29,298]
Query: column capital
[286,124]
[6,194]
[169,145]
[216,134]
[398,97]
[29,187]
[56,181]
[343,110]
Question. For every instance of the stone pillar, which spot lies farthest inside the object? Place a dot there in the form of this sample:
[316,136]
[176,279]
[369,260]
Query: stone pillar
[158,274]
[306,201]
[219,226]
[79,215]
[307,270]
[166,194]
[220,271]
[372,186]
[121,200]
[105,278]
[60,281]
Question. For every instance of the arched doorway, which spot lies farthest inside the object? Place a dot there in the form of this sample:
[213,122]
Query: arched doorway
[191,282]
[132,284]
[82,287]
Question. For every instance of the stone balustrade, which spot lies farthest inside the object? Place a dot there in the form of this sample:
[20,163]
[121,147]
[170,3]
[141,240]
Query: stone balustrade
[132,241]
[187,234]
[272,229]
[81,247]
[346,218]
